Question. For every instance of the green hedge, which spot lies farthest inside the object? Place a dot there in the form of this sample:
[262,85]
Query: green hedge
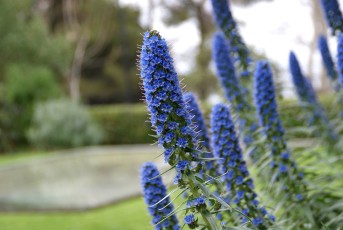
[128,124]
[123,124]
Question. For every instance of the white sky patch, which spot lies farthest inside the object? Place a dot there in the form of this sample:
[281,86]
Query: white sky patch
[272,28]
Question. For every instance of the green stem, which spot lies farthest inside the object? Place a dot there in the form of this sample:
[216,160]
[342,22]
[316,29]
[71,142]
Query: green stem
[206,215]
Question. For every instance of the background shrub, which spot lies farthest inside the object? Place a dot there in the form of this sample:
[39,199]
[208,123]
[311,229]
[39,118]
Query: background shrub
[27,84]
[62,123]
[123,124]
[127,124]
[24,86]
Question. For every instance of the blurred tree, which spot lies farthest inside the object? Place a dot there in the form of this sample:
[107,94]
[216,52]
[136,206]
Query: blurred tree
[105,36]
[319,27]
[25,85]
[201,79]
[31,61]
[24,38]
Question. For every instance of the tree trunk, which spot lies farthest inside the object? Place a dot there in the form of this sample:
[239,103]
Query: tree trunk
[75,72]
[319,27]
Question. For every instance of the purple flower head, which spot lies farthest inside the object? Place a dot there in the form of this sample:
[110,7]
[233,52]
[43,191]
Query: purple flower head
[197,119]
[225,68]
[233,90]
[199,201]
[333,15]
[182,165]
[164,97]
[190,221]
[327,58]
[265,102]
[226,146]
[154,191]
[302,85]
[264,94]
[307,96]
[202,133]
[224,20]
[340,58]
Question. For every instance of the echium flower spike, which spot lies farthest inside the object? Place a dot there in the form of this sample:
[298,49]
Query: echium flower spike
[226,71]
[239,185]
[333,15]
[340,58]
[224,20]
[170,118]
[308,99]
[210,166]
[327,58]
[197,119]
[164,99]
[154,191]
[235,94]
[283,167]
[302,85]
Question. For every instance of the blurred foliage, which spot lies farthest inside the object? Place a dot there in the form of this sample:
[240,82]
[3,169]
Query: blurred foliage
[37,50]
[62,123]
[109,72]
[201,79]
[31,60]
[26,39]
[25,85]
[123,124]
[127,124]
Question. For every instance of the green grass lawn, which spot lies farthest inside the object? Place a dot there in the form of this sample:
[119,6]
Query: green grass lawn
[18,156]
[128,215]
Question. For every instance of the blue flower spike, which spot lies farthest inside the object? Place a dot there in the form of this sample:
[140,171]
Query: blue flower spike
[283,166]
[308,99]
[200,128]
[170,118]
[327,60]
[340,59]
[197,119]
[191,221]
[224,20]
[239,185]
[164,99]
[154,191]
[333,15]
[236,95]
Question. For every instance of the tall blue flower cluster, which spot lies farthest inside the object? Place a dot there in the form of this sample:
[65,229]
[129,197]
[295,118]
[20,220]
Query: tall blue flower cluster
[239,185]
[327,59]
[154,191]
[308,98]
[340,59]
[302,85]
[164,99]
[283,167]
[169,116]
[227,74]
[333,15]
[201,130]
[224,20]
[197,119]
[331,71]
[236,95]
